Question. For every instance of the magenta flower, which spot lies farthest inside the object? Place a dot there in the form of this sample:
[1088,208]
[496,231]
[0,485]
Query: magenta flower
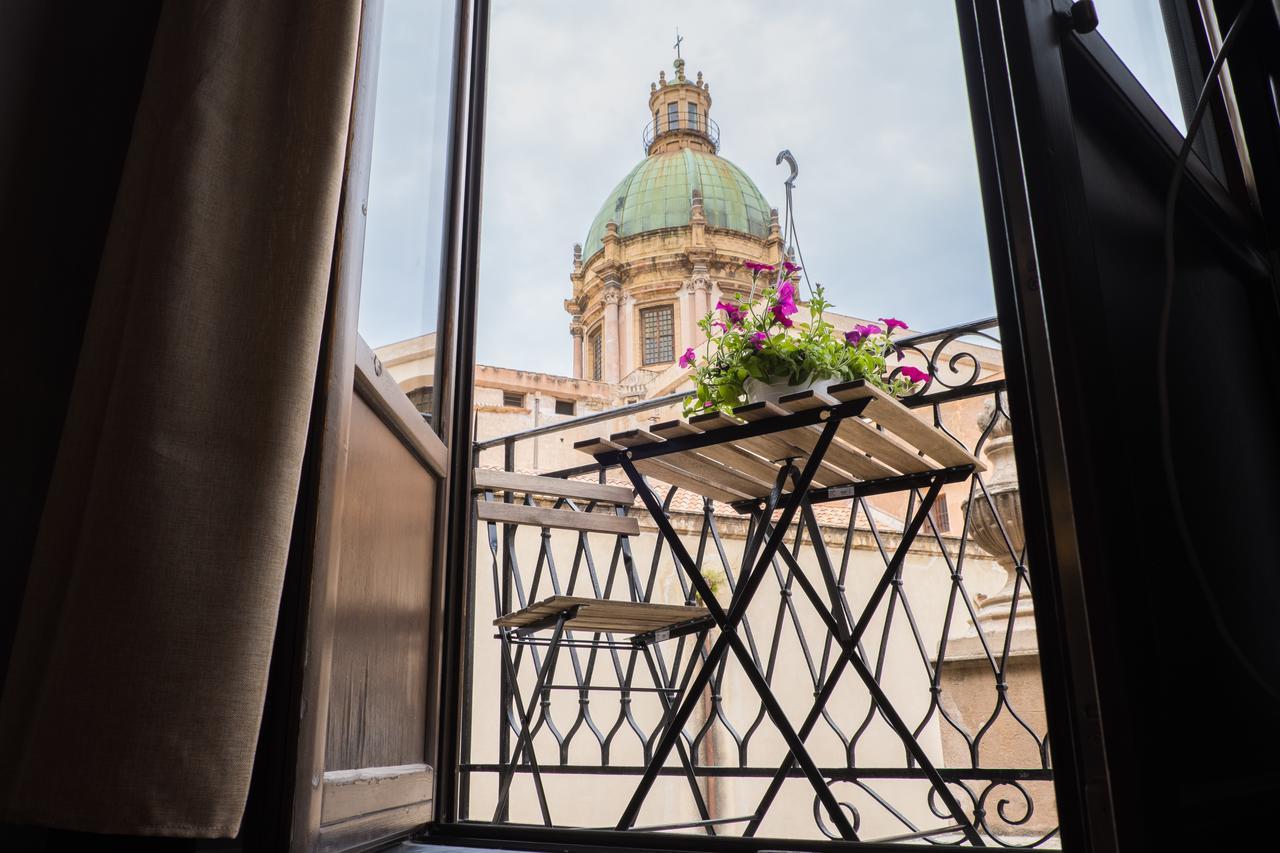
[790,267]
[868,330]
[758,339]
[758,268]
[914,374]
[735,314]
[892,323]
[721,326]
[785,304]
[707,404]
[853,337]
[688,358]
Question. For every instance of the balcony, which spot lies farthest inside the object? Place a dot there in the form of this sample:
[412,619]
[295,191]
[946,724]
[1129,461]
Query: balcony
[952,644]
[699,125]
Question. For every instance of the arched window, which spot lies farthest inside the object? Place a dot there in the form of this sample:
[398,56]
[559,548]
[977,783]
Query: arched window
[422,398]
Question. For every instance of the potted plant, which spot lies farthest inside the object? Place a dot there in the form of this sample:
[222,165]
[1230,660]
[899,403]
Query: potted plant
[755,351]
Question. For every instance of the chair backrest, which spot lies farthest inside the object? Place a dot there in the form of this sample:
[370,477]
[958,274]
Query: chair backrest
[491,481]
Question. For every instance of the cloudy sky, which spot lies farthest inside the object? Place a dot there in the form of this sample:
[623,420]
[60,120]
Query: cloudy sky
[869,97]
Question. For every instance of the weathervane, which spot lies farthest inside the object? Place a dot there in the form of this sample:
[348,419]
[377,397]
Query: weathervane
[679,38]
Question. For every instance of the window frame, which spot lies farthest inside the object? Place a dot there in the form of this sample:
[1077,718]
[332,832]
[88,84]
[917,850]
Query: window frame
[645,313]
[595,349]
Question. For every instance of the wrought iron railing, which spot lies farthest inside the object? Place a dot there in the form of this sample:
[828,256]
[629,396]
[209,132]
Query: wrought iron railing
[699,124]
[962,666]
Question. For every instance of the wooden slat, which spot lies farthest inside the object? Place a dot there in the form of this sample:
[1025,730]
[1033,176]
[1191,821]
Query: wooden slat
[691,462]
[351,793]
[596,614]
[898,419]
[665,473]
[851,464]
[860,434]
[531,484]
[768,446]
[733,457]
[564,519]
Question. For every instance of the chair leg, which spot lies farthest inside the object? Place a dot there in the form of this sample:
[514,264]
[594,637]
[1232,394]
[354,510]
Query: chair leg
[524,744]
[667,708]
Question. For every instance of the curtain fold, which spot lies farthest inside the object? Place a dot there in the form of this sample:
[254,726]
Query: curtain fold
[139,669]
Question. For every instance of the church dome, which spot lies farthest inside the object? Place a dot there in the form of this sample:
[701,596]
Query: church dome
[658,193]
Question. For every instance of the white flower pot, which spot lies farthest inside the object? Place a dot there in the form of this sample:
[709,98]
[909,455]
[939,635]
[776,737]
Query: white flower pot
[771,392]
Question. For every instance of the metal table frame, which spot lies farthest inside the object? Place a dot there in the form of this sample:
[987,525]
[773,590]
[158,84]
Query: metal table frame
[764,546]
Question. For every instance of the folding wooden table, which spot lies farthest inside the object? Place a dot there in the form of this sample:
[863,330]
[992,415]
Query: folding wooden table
[810,447]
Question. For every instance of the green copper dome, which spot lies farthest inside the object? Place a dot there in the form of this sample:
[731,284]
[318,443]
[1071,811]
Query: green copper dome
[657,194]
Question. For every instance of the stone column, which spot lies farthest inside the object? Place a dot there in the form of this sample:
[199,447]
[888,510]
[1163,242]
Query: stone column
[683,338]
[612,297]
[575,331]
[626,335]
[691,304]
[702,294]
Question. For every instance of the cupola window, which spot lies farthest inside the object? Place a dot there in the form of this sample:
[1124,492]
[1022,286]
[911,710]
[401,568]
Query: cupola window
[597,366]
[657,330]
[673,116]
[693,116]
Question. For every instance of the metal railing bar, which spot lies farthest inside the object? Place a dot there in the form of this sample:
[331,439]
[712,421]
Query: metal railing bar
[606,415]
[837,774]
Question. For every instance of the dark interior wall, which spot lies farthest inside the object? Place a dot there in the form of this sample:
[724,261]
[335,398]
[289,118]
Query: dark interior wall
[1188,729]
[70,80]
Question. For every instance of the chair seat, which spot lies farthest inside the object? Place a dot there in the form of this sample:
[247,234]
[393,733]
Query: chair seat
[596,614]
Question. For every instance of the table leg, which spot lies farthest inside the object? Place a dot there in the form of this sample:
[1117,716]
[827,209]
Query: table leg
[728,639]
[849,655]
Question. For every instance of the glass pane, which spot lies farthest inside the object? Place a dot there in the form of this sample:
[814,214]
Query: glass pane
[603,258]
[400,290]
[1135,30]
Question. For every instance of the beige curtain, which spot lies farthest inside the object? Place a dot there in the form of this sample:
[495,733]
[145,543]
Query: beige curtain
[140,666]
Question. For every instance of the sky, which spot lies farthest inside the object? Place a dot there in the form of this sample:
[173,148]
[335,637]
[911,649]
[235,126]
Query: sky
[868,96]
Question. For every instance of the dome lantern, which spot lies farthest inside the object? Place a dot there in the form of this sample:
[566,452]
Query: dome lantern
[681,109]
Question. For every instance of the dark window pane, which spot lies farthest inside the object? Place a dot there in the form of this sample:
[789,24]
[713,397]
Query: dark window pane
[657,330]
[564,407]
[597,369]
[513,398]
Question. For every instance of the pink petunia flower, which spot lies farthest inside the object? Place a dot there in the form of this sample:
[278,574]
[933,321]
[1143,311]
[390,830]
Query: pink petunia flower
[853,337]
[758,268]
[914,374]
[735,314]
[892,323]
[688,358]
[758,339]
[869,329]
[790,267]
